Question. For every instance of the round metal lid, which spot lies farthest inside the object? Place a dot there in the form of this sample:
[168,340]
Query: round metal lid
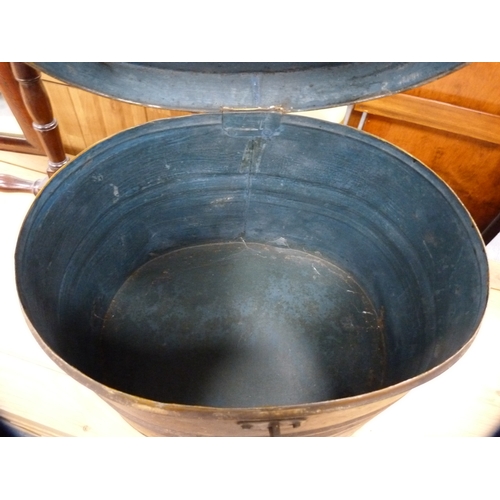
[216,86]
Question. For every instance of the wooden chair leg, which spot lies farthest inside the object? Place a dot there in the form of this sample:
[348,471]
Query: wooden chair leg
[38,105]
[30,143]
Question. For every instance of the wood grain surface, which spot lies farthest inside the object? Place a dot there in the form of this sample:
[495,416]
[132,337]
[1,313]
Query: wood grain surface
[86,118]
[437,115]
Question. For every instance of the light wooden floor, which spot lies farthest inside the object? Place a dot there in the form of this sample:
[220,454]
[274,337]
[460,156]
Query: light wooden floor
[38,397]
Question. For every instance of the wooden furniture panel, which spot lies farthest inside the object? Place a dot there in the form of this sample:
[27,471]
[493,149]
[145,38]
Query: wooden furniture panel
[86,118]
[158,114]
[90,119]
[71,132]
[438,115]
[453,126]
[119,116]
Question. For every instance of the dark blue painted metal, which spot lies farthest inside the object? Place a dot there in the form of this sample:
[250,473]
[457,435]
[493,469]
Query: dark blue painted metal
[281,182]
[214,86]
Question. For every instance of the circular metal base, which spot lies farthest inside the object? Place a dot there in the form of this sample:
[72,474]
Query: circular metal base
[242,325]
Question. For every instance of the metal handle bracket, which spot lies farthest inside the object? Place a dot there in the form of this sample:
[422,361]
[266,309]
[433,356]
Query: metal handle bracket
[274,427]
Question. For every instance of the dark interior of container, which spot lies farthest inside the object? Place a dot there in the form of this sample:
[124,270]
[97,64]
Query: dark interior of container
[254,260]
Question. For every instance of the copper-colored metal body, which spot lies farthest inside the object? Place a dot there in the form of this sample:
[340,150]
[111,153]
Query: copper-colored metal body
[330,418]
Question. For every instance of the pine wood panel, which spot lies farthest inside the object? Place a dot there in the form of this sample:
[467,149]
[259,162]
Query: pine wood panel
[158,114]
[88,113]
[118,116]
[86,118]
[64,111]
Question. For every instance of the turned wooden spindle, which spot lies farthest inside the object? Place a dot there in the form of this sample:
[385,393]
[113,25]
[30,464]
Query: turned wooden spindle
[38,105]
[30,143]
